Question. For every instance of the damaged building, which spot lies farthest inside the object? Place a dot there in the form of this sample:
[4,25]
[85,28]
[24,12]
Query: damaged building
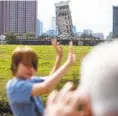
[64,20]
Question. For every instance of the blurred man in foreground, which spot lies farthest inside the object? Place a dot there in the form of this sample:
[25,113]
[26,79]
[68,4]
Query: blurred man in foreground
[97,93]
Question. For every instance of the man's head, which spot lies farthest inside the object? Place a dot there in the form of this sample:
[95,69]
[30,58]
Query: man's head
[99,78]
[24,62]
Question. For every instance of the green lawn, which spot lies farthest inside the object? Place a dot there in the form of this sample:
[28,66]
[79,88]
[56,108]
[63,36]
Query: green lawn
[46,59]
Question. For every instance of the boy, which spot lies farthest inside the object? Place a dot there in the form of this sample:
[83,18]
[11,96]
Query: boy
[23,90]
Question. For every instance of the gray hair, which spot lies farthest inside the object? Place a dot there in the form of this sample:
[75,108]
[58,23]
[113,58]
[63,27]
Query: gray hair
[99,77]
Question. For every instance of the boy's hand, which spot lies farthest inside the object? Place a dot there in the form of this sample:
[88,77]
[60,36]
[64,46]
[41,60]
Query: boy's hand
[59,55]
[58,47]
[71,55]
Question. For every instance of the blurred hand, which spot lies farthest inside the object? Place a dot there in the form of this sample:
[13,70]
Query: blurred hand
[71,55]
[57,46]
[66,102]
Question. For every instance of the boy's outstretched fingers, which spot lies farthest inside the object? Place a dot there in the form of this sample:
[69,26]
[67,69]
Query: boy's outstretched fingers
[71,55]
[71,46]
[57,46]
[55,42]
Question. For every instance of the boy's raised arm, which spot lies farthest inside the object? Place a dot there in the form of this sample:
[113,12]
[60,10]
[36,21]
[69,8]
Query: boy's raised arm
[53,79]
[59,56]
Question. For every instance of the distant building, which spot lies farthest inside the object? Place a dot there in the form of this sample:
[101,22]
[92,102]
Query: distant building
[87,31]
[54,24]
[51,33]
[115,21]
[63,19]
[110,36]
[79,34]
[18,16]
[98,35]
[39,30]
[1,16]
[74,29]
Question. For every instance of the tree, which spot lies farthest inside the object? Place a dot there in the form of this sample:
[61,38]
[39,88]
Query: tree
[10,37]
[28,36]
[83,35]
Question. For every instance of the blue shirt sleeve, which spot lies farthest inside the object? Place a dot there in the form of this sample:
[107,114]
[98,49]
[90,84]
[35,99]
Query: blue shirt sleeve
[37,79]
[20,92]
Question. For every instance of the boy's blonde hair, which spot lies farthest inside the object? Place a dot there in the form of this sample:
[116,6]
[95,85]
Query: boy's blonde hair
[24,55]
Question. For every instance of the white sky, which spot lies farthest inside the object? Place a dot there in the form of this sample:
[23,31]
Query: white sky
[86,14]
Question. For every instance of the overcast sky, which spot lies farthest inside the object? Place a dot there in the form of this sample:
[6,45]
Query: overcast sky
[86,14]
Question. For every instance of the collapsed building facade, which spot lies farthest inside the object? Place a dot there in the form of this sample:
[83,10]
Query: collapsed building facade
[63,20]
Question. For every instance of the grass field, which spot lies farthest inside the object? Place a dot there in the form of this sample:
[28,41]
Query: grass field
[46,60]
